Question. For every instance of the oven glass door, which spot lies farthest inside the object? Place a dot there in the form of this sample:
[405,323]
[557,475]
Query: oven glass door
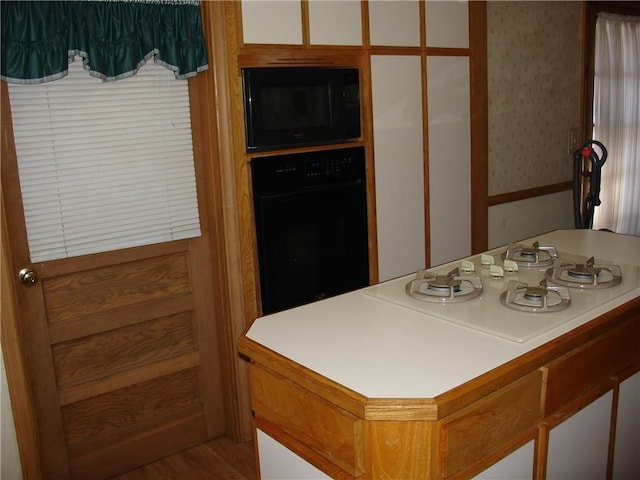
[312,243]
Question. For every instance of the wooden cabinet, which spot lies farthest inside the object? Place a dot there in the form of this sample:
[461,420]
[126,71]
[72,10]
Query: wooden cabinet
[330,432]
[590,367]
[486,426]
[568,409]
[416,85]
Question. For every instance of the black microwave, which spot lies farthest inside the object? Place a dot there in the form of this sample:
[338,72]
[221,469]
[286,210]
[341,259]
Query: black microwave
[288,107]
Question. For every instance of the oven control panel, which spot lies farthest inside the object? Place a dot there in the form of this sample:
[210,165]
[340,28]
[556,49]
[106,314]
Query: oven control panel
[299,170]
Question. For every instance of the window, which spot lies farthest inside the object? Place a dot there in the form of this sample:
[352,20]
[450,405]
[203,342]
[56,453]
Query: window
[104,166]
[616,121]
[609,116]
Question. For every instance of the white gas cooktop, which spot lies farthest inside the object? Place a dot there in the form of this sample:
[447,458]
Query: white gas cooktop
[486,313]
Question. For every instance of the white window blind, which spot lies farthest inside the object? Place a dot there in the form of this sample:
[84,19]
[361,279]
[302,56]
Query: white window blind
[104,166]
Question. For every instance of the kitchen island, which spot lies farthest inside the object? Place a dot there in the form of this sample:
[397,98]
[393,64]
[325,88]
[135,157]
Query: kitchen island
[362,388]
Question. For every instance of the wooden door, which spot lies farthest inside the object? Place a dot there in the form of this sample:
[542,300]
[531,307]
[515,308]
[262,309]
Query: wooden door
[122,348]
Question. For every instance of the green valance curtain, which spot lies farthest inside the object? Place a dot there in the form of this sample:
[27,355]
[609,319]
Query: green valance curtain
[114,38]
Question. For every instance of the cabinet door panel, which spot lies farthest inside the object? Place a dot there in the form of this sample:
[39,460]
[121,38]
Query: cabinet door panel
[394,23]
[517,466]
[276,22]
[448,88]
[578,447]
[333,22]
[583,369]
[626,463]
[279,463]
[399,163]
[447,24]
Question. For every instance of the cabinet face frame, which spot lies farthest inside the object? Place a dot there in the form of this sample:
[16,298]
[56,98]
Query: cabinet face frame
[231,53]
[241,54]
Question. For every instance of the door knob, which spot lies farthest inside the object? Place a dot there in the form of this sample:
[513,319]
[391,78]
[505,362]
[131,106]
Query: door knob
[27,276]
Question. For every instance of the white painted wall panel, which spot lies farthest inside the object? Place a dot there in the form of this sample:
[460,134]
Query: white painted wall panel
[516,466]
[626,463]
[449,157]
[335,22]
[394,23]
[279,463]
[513,221]
[269,21]
[447,24]
[578,447]
[10,467]
[399,171]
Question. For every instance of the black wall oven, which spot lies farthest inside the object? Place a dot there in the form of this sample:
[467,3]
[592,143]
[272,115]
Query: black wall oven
[311,225]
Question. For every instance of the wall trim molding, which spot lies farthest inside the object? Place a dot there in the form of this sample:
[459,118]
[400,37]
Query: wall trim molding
[529,193]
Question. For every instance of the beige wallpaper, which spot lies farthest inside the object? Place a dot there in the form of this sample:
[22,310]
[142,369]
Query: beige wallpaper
[534,55]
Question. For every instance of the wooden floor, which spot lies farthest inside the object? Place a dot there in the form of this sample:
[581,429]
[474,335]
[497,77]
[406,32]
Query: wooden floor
[218,459]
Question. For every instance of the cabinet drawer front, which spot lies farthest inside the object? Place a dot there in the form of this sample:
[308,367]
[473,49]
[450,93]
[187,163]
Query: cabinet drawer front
[331,432]
[491,422]
[583,369]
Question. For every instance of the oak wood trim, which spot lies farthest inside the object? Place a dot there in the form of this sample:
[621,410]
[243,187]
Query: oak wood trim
[341,396]
[52,460]
[529,193]
[583,369]
[505,449]
[425,139]
[102,461]
[448,402]
[401,450]
[132,377]
[290,57]
[495,420]
[300,449]
[484,384]
[222,23]
[14,359]
[541,452]
[104,321]
[612,430]
[388,437]
[479,126]
[335,434]
[304,16]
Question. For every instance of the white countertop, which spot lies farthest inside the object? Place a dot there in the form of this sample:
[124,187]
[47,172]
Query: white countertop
[381,350]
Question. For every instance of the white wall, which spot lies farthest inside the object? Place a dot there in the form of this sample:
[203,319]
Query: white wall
[10,468]
[514,221]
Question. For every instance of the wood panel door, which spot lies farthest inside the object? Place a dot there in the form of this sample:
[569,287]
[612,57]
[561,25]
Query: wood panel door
[122,347]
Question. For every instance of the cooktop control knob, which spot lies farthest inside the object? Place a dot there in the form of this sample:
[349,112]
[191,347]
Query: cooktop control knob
[496,271]
[467,266]
[510,266]
[487,260]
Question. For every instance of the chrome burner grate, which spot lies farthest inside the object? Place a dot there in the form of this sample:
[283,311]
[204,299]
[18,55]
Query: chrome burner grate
[535,299]
[450,288]
[587,276]
[531,256]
